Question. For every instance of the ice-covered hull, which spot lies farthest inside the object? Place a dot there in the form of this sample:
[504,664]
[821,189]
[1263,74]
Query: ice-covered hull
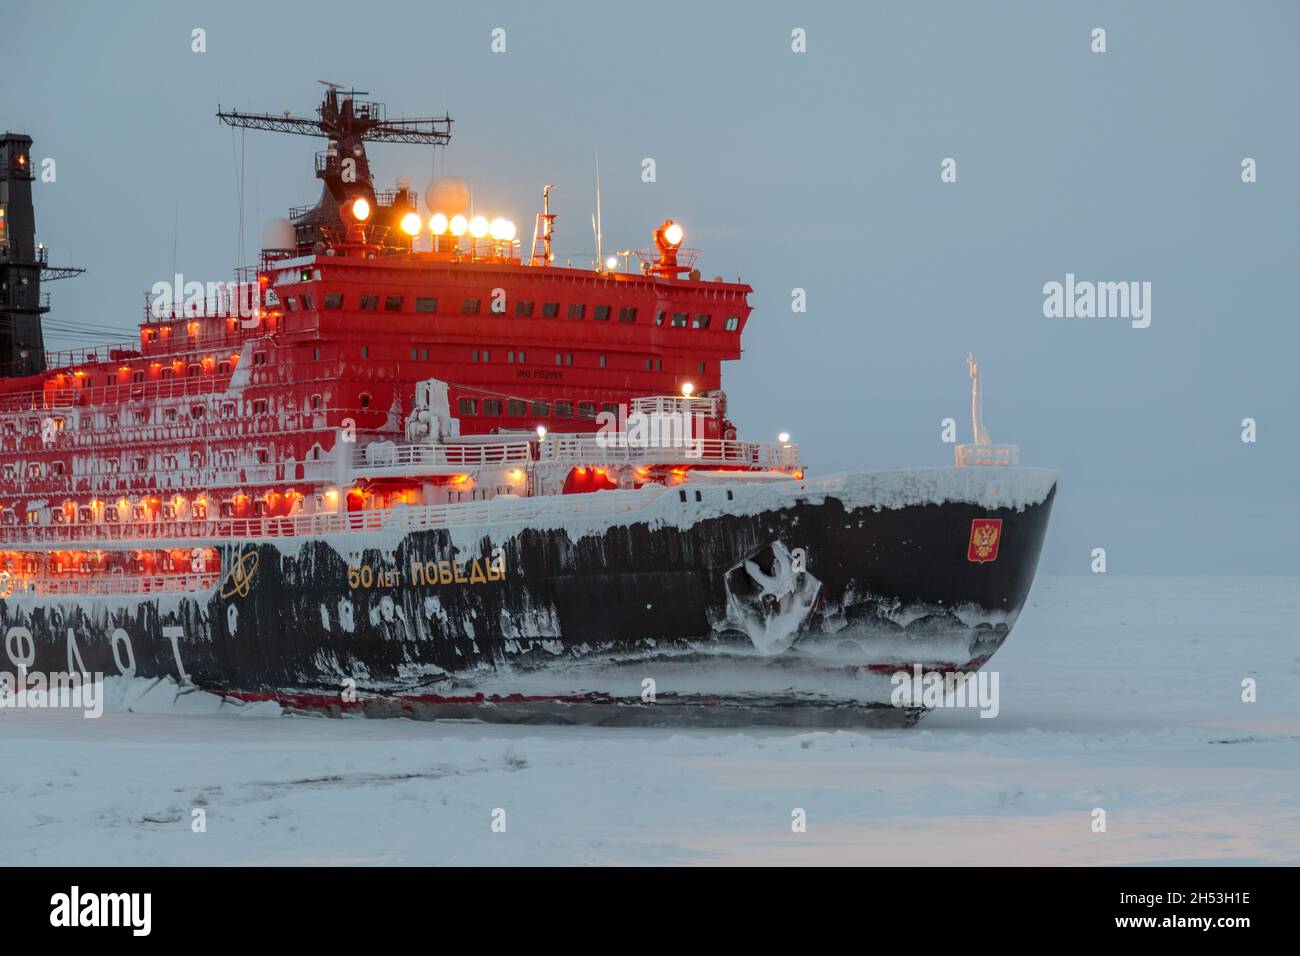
[716,602]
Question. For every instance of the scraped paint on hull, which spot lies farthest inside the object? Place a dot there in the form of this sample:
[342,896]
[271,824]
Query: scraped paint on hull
[750,609]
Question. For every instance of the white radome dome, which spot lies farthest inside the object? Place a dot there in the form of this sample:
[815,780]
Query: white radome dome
[447,195]
[278,236]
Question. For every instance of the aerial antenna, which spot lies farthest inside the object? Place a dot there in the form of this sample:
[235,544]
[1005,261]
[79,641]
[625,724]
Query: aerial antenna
[976,402]
[595,220]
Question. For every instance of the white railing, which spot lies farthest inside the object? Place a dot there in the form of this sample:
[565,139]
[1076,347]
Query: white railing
[572,449]
[691,451]
[120,584]
[400,518]
[971,455]
[388,455]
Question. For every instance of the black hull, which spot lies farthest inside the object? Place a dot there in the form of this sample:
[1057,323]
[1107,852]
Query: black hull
[556,624]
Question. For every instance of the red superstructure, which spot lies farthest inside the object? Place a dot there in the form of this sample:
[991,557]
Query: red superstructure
[370,373]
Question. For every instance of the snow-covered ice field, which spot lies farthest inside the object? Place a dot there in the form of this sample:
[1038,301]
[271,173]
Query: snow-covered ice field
[1119,693]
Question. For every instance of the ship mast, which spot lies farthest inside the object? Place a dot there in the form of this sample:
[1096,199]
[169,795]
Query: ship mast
[347,123]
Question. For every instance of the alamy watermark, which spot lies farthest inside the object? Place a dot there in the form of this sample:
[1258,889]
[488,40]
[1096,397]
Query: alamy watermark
[676,429]
[37,690]
[1102,300]
[933,689]
[181,299]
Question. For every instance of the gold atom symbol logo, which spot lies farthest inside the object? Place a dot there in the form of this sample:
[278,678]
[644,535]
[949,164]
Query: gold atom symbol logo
[240,579]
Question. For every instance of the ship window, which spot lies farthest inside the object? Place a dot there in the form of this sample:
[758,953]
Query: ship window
[195,370]
[491,406]
[602,361]
[228,410]
[550,310]
[261,455]
[467,406]
[701,322]
[481,356]
[365,351]
[660,316]
[227,509]
[137,377]
[259,358]
[200,510]
[610,408]
[167,373]
[627,314]
[563,409]
[259,507]
[541,409]
[223,367]
[601,313]
[259,406]
[424,355]
[679,320]
[112,421]
[469,307]
[138,464]
[426,304]
[169,512]
[56,468]
[516,407]
[701,367]
[577,311]
[369,303]
[393,303]
[365,399]
[415,354]
[195,459]
[732,323]
[291,303]
[110,513]
[654,364]
[333,300]
[306,302]
[315,403]
[523,308]
[315,355]
[198,412]
[587,409]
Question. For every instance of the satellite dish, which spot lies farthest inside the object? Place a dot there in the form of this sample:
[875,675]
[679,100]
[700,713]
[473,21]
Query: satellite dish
[447,195]
[278,236]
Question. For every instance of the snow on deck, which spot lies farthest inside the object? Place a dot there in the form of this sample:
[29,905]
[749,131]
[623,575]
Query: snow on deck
[1120,693]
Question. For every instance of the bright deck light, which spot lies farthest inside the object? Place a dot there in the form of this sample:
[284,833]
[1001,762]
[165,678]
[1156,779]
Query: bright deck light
[674,235]
[458,225]
[361,209]
[478,227]
[411,223]
[438,224]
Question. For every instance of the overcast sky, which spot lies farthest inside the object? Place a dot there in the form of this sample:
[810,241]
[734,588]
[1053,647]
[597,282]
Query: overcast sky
[816,170]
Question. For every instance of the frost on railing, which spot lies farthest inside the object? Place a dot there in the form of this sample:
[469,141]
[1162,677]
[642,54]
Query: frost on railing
[691,450]
[578,449]
[124,584]
[399,518]
[968,455]
[385,454]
